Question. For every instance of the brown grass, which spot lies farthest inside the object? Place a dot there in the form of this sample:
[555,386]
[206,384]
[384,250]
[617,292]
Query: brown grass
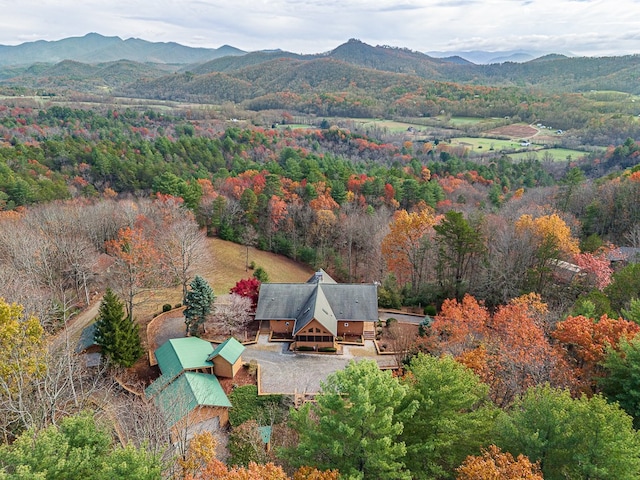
[516,131]
[222,266]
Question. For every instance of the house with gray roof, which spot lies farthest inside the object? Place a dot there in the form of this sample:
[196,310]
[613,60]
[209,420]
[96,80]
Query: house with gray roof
[316,313]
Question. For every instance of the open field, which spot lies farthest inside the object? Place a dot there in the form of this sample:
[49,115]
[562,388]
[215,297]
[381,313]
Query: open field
[480,144]
[467,121]
[222,266]
[391,125]
[558,154]
[516,131]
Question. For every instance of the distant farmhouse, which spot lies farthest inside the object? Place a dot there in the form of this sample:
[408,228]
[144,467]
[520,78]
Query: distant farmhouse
[317,313]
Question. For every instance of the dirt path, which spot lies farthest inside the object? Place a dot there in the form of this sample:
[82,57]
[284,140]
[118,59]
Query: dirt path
[77,324]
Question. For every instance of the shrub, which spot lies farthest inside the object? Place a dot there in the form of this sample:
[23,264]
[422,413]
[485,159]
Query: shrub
[328,349]
[261,274]
[430,310]
[391,321]
[178,305]
[166,307]
[304,348]
[253,368]
[247,405]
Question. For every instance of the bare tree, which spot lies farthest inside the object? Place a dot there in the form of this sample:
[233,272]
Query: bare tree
[181,246]
[633,236]
[231,315]
[403,337]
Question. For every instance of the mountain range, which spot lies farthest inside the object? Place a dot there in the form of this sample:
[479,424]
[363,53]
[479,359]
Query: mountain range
[96,48]
[134,67]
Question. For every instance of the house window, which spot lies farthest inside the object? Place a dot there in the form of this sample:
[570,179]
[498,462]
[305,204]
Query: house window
[286,324]
[317,330]
[346,324]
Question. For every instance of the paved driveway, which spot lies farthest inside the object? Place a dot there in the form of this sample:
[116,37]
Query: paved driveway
[284,372]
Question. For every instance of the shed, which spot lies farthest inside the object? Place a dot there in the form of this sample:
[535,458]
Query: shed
[227,358]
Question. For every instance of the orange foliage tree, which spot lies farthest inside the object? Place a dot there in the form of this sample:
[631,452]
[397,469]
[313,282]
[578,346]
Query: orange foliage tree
[216,470]
[508,350]
[406,246]
[493,464]
[135,260]
[586,341]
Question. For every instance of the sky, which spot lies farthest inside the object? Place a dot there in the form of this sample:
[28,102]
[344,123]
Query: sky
[577,27]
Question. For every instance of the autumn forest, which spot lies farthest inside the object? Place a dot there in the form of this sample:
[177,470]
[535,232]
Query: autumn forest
[525,266]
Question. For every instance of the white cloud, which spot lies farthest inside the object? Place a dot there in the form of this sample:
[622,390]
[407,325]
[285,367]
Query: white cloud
[589,27]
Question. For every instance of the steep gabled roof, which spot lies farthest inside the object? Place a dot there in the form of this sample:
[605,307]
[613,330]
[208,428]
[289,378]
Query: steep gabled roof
[188,391]
[230,350]
[326,301]
[179,354]
[321,277]
[282,301]
[353,301]
[317,307]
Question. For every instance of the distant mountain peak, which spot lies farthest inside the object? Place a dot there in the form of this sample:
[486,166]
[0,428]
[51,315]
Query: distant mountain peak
[95,48]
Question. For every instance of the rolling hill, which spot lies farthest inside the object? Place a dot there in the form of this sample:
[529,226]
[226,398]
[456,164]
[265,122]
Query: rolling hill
[96,48]
[174,72]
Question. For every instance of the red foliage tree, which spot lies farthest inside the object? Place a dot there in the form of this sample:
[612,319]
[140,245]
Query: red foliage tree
[248,287]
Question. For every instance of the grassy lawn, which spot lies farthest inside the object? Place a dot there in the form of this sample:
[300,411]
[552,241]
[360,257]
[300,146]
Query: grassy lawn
[558,154]
[391,125]
[466,121]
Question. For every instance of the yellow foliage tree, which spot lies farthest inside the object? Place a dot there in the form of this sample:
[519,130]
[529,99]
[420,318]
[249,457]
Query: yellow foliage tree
[201,451]
[22,351]
[406,246]
[550,228]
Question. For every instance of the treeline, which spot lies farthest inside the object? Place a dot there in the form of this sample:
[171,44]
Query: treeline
[296,192]
[330,88]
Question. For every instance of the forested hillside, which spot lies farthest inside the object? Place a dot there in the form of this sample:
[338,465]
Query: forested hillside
[516,242]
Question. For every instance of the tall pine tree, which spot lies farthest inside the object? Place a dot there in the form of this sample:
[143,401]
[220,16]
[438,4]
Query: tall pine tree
[198,301]
[116,333]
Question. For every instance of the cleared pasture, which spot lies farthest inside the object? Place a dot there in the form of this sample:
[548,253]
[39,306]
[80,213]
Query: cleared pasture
[480,144]
[550,154]
[466,121]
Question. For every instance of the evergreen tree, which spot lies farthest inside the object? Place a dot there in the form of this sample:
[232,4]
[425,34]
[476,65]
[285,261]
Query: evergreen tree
[454,416]
[622,382]
[577,438]
[261,275]
[116,333]
[77,447]
[633,313]
[198,301]
[459,244]
[355,426]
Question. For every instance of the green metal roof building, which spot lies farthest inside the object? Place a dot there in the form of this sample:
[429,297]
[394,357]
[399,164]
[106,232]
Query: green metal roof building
[187,382]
